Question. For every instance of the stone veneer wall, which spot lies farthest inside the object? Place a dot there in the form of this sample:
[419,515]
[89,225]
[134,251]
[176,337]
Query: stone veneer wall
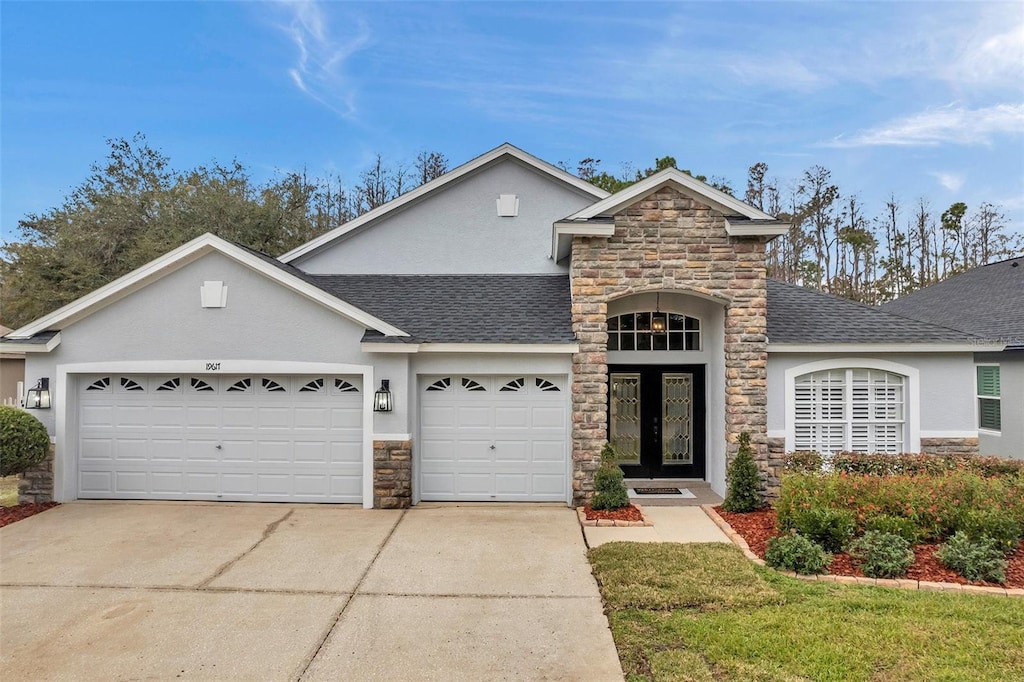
[36,484]
[392,474]
[667,242]
[949,446]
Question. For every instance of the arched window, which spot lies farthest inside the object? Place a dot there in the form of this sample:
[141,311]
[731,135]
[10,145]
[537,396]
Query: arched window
[653,331]
[850,409]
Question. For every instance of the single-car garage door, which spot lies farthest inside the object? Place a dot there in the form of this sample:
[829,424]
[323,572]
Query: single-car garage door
[211,437]
[493,438]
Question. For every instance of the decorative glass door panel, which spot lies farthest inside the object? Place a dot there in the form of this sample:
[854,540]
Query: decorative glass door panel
[677,418]
[656,420]
[624,422]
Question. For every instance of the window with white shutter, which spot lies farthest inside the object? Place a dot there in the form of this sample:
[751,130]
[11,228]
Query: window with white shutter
[857,410]
[989,408]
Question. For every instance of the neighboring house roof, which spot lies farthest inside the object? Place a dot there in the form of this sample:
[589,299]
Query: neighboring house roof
[501,309]
[504,151]
[803,317]
[281,273]
[987,301]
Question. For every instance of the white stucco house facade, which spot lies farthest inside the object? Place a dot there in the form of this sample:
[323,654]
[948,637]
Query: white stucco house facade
[514,318]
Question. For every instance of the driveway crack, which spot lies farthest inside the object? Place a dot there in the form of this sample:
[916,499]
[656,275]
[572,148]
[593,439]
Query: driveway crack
[355,591]
[267,532]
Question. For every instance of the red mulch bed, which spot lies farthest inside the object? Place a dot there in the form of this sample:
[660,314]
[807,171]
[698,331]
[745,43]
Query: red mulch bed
[759,527]
[629,513]
[18,512]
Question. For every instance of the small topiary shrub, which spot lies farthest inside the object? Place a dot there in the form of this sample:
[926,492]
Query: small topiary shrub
[882,555]
[610,489]
[895,525]
[24,442]
[744,494]
[995,524]
[830,528]
[974,560]
[796,553]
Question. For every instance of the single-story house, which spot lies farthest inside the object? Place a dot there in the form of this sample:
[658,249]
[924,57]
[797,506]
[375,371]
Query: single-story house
[479,339]
[987,302]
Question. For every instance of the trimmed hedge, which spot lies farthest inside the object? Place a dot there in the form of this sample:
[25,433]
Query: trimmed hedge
[24,441]
[881,464]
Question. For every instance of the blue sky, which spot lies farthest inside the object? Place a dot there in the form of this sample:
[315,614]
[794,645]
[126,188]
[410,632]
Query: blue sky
[916,99]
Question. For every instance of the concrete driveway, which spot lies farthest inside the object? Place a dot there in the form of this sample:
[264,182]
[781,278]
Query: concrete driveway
[114,590]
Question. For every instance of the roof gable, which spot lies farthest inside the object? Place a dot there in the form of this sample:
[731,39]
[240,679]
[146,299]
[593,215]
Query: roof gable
[178,258]
[502,152]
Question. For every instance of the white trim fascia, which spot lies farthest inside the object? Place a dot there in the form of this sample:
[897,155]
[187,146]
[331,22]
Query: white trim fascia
[949,434]
[178,258]
[912,416]
[563,231]
[437,183]
[881,347]
[65,475]
[500,348]
[775,229]
[373,347]
[31,347]
[681,181]
[392,436]
[508,348]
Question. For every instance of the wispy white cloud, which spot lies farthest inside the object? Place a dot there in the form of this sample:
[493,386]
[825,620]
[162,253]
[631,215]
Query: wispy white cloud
[946,125]
[991,59]
[951,181]
[319,70]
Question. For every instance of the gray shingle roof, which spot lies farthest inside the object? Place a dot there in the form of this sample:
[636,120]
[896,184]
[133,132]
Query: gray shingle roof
[41,339]
[461,308]
[986,301]
[799,315]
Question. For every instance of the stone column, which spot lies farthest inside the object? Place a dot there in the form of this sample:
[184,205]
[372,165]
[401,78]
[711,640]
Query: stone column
[392,474]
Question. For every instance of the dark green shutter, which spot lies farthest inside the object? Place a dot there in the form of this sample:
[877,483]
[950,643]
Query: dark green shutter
[988,381]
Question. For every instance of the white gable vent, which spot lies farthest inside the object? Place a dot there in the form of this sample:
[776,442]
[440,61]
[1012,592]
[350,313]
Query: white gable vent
[508,205]
[213,294]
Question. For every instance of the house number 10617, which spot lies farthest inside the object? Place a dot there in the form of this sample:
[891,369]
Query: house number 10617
[212,366]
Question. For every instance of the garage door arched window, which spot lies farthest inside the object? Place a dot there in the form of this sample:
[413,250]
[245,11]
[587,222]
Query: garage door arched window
[852,409]
[653,331]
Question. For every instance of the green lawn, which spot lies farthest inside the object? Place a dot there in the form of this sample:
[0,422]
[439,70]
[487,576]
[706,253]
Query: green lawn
[704,612]
[8,491]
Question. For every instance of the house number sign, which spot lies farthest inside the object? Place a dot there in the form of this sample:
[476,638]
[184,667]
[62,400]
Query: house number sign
[213,367]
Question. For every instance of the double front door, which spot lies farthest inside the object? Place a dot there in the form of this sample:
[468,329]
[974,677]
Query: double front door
[656,420]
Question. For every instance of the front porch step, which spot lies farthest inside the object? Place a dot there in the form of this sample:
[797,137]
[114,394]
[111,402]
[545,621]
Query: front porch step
[703,494]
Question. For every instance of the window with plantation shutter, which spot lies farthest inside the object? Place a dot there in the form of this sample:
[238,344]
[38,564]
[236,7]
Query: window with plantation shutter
[858,410]
[989,407]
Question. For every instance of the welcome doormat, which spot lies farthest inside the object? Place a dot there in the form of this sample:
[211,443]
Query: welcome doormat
[661,492]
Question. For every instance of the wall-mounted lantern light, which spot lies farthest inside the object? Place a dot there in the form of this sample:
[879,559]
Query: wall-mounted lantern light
[382,399]
[38,397]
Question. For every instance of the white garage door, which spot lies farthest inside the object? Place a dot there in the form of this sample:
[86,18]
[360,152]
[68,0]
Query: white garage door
[211,437]
[493,438]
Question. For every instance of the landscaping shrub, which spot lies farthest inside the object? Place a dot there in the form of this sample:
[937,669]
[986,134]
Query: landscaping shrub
[803,462]
[24,442]
[974,559]
[994,524]
[882,555]
[744,493]
[894,525]
[794,552]
[935,504]
[610,489]
[830,528]
[882,464]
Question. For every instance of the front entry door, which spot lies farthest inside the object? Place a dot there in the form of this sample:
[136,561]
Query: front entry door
[656,420]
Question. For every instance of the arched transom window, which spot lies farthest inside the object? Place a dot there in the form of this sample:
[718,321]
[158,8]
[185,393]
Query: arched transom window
[653,331]
[853,410]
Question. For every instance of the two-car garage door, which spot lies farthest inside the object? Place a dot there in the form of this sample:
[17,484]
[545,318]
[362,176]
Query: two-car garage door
[213,437]
[493,438]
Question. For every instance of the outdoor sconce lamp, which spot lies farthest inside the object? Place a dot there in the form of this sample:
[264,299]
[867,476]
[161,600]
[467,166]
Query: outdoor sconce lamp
[382,401]
[38,397]
[658,318]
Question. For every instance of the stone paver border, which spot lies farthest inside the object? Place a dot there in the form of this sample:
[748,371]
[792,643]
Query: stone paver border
[608,523]
[902,584]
